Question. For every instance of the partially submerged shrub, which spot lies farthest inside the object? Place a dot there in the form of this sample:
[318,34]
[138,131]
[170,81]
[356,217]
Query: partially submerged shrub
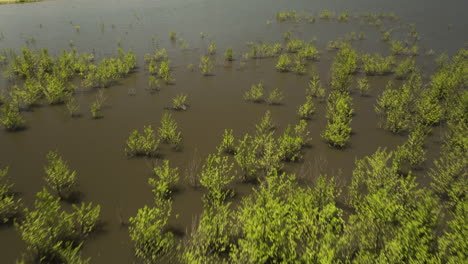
[339,113]
[11,118]
[284,63]
[144,144]
[164,181]
[363,86]
[212,49]
[227,144]
[168,131]
[206,65]
[306,110]
[377,65]
[255,94]
[59,177]
[229,54]
[315,87]
[72,106]
[405,68]
[216,176]
[246,157]
[8,204]
[275,97]
[179,102]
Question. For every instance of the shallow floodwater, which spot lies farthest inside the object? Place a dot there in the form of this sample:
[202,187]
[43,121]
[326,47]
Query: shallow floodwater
[95,148]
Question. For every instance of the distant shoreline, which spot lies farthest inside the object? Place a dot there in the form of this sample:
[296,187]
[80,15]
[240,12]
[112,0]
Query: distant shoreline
[18,1]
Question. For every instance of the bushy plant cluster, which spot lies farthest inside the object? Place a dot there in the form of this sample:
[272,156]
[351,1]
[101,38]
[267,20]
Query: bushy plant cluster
[264,50]
[339,116]
[9,204]
[377,65]
[344,65]
[142,144]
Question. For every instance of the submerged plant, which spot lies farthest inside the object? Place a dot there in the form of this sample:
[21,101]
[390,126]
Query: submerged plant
[405,68]
[153,83]
[306,110]
[315,87]
[227,143]
[229,54]
[255,94]
[165,72]
[216,176]
[212,49]
[11,118]
[339,112]
[246,157]
[179,102]
[363,86]
[275,97]
[284,63]
[58,175]
[164,181]
[8,204]
[72,106]
[206,65]
[144,144]
[168,131]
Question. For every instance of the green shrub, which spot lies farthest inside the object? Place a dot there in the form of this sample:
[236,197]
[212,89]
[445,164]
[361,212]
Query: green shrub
[86,217]
[428,108]
[164,181]
[147,232]
[144,144]
[290,145]
[216,176]
[275,97]
[315,87]
[165,72]
[412,152]
[168,131]
[153,83]
[294,45]
[283,16]
[255,94]
[58,175]
[229,54]
[339,112]
[227,144]
[8,204]
[377,65]
[284,63]
[343,17]
[72,106]
[212,49]
[11,118]
[306,110]
[363,86]
[310,52]
[326,14]
[179,102]
[393,107]
[173,35]
[206,65]
[343,67]
[246,157]
[405,68]
[299,64]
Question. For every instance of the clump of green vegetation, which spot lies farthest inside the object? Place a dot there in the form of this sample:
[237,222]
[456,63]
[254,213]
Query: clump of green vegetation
[405,68]
[386,35]
[206,65]
[173,35]
[263,50]
[294,45]
[255,94]
[284,16]
[168,131]
[153,83]
[275,97]
[343,67]
[164,181]
[96,106]
[165,71]
[179,102]
[412,152]
[144,144]
[315,87]
[9,205]
[227,144]
[212,49]
[343,17]
[58,175]
[147,231]
[284,63]
[299,64]
[310,52]
[326,14]
[306,110]
[246,157]
[11,118]
[72,106]
[393,106]
[428,108]
[229,54]
[55,235]
[216,176]
[377,65]
[339,115]
[363,86]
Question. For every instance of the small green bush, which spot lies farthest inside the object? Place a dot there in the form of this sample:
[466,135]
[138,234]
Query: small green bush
[179,102]
[58,175]
[306,110]
[284,63]
[11,118]
[206,65]
[255,94]
[227,144]
[168,131]
[144,144]
[164,181]
[275,97]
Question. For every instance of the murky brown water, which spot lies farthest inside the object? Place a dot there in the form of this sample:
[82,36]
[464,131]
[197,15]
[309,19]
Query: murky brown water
[95,147]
